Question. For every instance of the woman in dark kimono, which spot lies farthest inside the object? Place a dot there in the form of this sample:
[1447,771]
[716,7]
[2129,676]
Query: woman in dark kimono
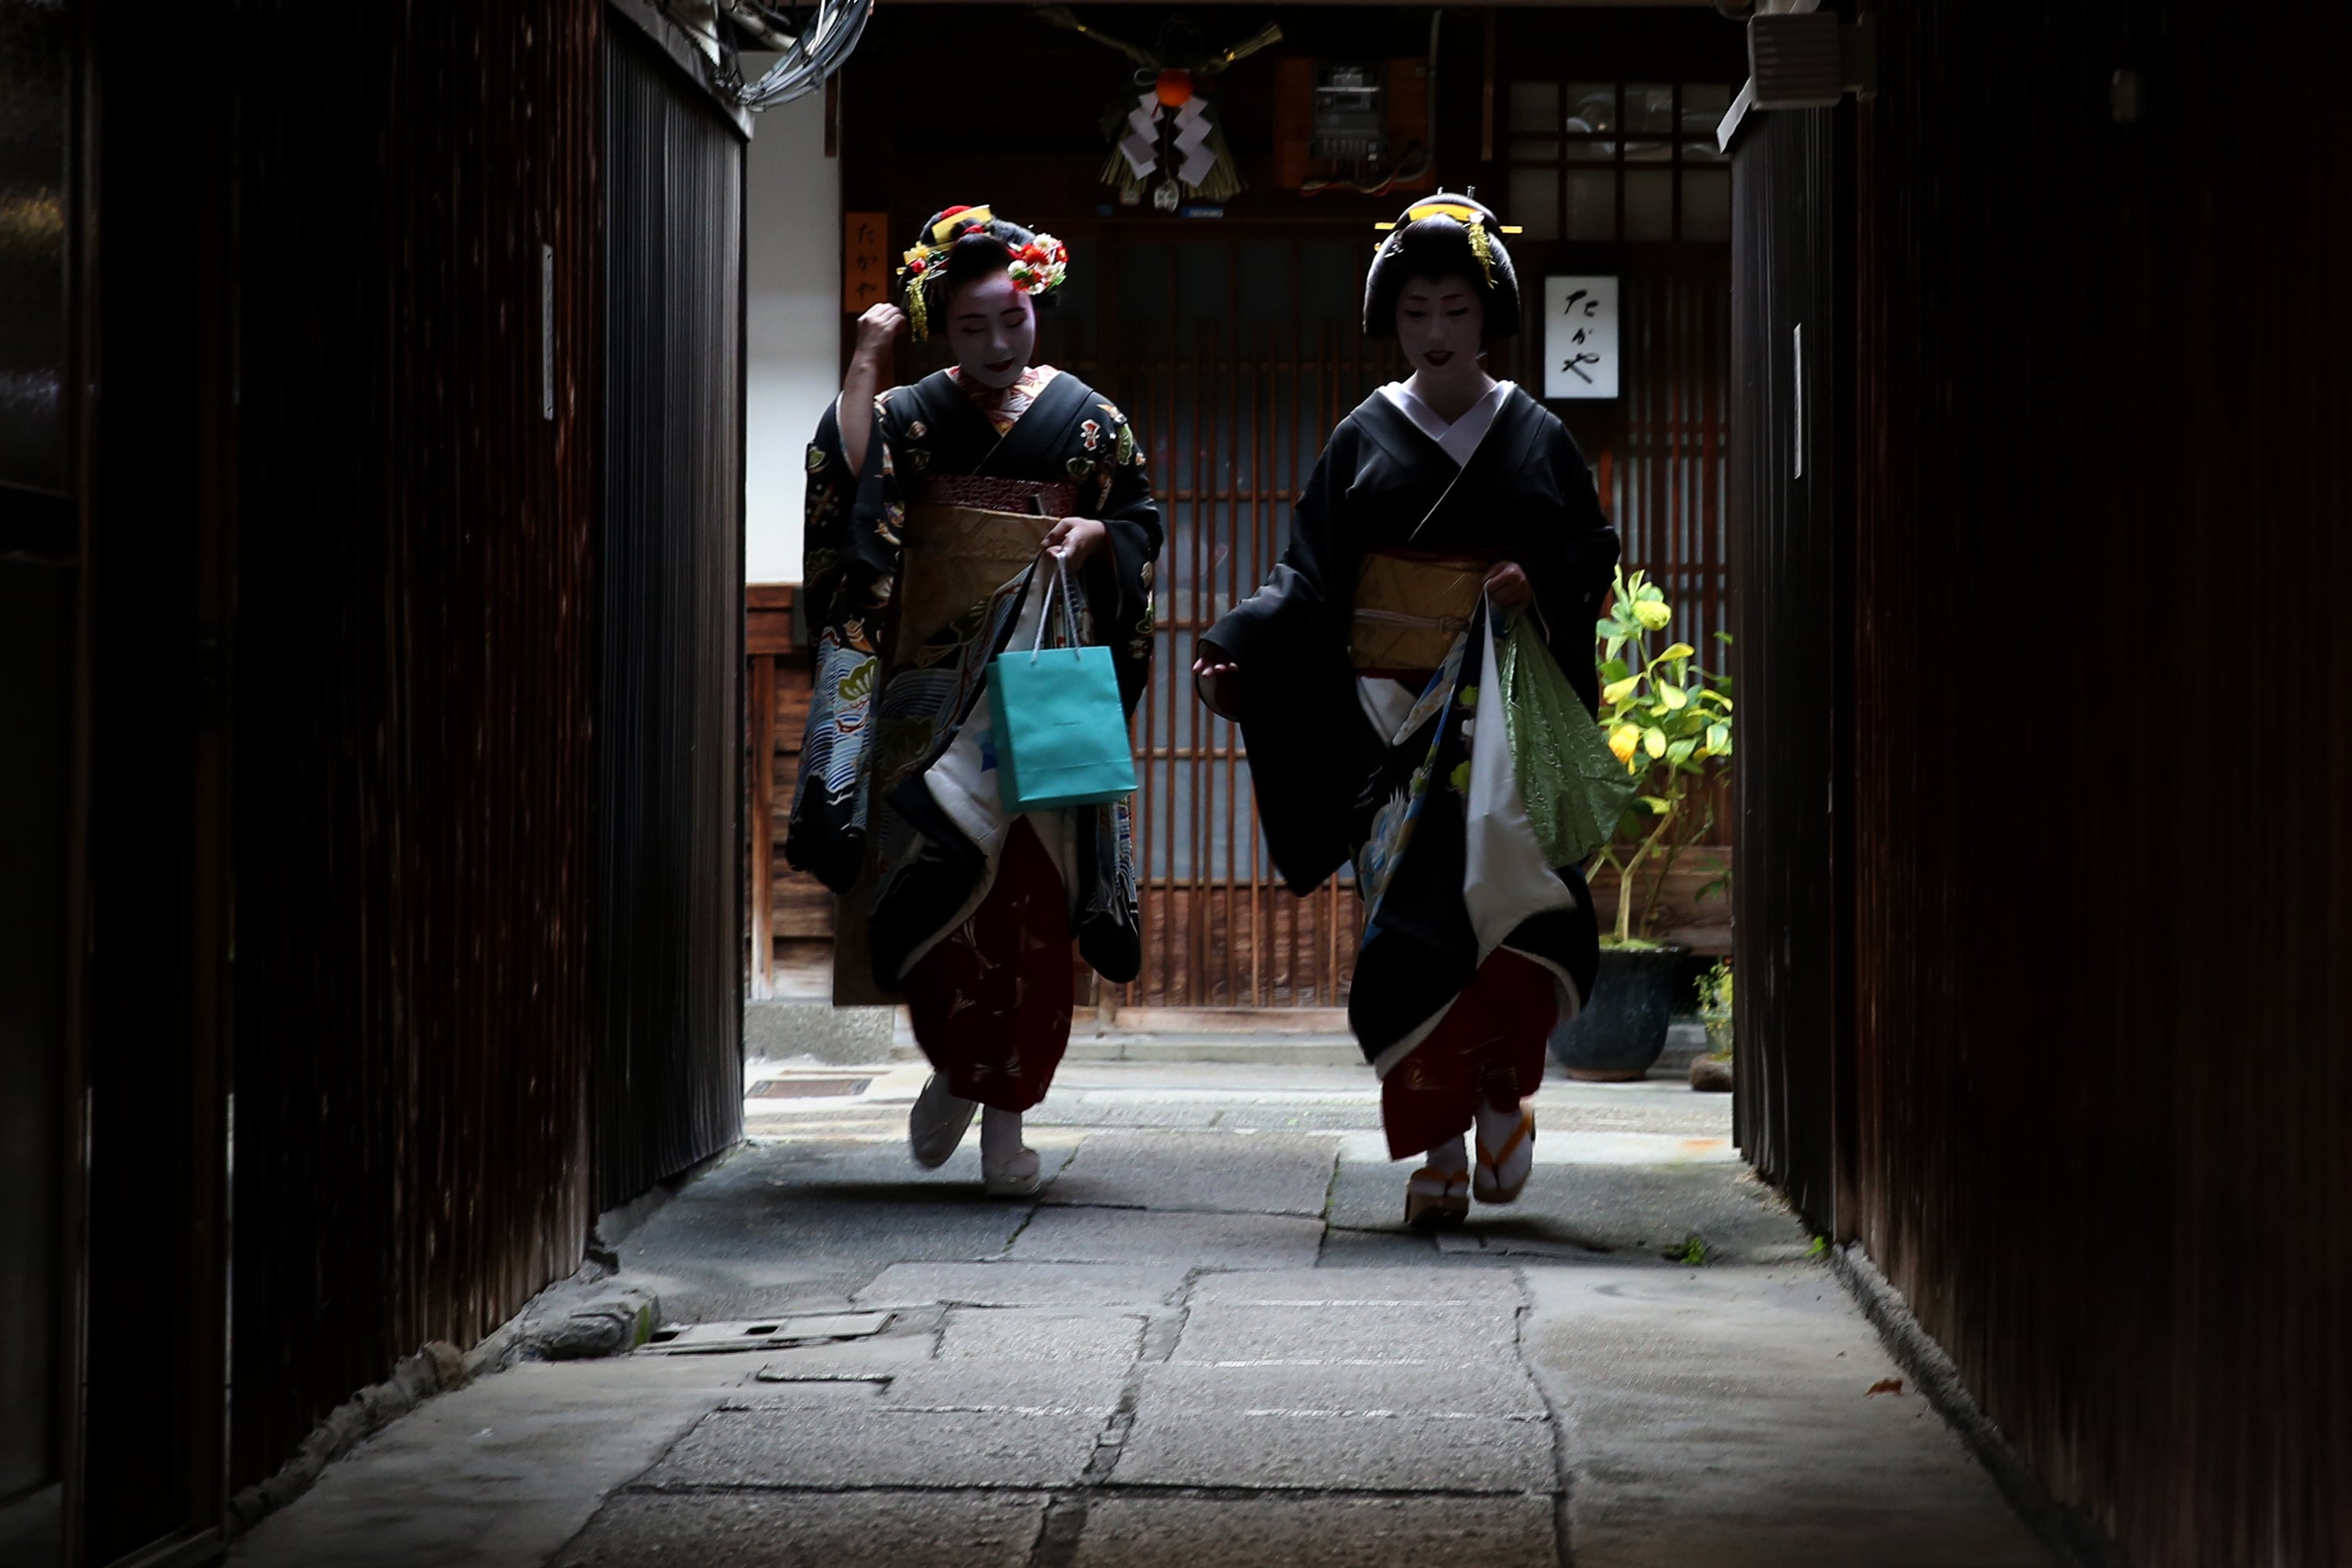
[1441,507]
[929,507]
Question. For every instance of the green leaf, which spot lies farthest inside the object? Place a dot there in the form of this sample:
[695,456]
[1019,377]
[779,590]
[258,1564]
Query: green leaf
[1615,669]
[1680,650]
[1618,691]
[1673,697]
[1654,740]
[1615,646]
[1723,637]
[1718,738]
[1680,752]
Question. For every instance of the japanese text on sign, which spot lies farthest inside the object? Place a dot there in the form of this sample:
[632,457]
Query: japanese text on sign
[864,260]
[1579,337]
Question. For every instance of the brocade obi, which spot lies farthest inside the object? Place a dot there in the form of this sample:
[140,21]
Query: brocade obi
[1408,609]
[956,557]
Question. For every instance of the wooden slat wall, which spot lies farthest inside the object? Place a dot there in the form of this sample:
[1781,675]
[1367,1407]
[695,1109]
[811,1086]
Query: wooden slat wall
[1787,512]
[414,665]
[667,1084]
[791,911]
[2092,1119]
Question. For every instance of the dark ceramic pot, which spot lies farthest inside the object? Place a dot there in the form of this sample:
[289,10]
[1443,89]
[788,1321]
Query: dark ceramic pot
[1623,1031]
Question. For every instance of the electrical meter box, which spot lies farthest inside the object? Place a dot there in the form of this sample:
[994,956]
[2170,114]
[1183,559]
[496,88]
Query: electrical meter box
[1359,122]
[1349,122]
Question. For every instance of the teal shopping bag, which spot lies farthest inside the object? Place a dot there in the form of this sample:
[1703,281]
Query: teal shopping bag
[1060,729]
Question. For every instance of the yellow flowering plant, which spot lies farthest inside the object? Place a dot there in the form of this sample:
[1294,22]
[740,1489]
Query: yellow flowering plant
[1669,722]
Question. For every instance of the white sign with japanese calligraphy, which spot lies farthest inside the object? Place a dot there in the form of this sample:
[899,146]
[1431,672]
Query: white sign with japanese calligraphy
[1579,337]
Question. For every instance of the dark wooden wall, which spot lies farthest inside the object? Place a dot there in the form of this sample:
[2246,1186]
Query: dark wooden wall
[2098,1068]
[1791,542]
[414,674]
[667,1088]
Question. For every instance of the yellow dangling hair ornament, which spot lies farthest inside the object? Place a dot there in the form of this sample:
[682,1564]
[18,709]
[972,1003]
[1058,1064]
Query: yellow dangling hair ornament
[918,313]
[1481,248]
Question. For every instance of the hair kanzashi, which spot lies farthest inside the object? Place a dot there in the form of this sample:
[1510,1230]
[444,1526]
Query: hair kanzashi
[1441,237]
[961,244]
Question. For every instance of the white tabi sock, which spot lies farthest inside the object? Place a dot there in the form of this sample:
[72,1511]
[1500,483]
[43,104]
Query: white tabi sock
[999,1135]
[1450,1156]
[1513,1155]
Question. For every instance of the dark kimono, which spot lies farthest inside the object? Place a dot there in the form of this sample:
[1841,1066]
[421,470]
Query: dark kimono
[966,918]
[1402,798]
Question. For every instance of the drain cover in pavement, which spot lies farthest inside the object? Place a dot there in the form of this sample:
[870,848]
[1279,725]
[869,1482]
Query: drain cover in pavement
[761,1334]
[807,1088]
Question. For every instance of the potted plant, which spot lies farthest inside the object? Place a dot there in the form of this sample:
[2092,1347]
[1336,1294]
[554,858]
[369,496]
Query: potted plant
[1712,1072]
[1669,722]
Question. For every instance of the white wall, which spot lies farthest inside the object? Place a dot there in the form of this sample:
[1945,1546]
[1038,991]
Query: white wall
[792,225]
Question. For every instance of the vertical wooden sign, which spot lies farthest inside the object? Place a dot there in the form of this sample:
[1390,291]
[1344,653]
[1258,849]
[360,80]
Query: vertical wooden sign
[864,260]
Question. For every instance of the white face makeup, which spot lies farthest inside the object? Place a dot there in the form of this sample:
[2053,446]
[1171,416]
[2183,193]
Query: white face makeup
[991,328]
[1439,323]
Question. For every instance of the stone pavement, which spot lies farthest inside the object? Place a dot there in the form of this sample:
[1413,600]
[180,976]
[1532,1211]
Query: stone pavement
[1209,1340]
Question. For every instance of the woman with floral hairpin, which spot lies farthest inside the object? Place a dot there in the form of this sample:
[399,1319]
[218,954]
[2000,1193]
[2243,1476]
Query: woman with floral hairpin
[941,518]
[1364,675]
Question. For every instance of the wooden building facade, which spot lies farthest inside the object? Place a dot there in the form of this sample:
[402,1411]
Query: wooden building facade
[370,543]
[1233,342]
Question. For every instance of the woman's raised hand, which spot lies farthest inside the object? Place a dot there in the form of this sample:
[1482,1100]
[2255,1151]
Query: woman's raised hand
[876,329]
[1509,586]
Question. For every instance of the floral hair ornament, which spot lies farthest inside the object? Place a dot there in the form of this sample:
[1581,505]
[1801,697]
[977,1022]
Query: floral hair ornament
[1036,263]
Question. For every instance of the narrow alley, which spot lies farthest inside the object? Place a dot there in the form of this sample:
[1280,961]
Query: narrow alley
[826,784]
[1208,1341]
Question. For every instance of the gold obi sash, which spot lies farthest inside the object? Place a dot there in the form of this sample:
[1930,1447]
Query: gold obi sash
[956,557]
[1409,611]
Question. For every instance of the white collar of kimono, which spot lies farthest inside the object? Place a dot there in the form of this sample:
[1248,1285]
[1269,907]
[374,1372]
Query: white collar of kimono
[1461,439]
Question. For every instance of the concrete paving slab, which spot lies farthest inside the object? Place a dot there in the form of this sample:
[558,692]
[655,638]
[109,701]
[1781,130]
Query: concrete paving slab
[1312,1288]
[1026,1284]
[1033,1387]
[1041,1333]
[779,1227]
[846,1398]
[1431,1385]
[1319,1532]
[1222,1173]
[1093,1112]
[500,1474]
[881,1356]
[802,1530]
[1175,1446]
[1133,1235]
[893,1447]
[1361,1335]
[1528,1237]
[1621,1211]
[1346,1249]
[1324,1119]
[1735,1403]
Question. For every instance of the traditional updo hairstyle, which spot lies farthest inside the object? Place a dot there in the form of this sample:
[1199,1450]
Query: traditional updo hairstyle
[964,243]
[1441,238]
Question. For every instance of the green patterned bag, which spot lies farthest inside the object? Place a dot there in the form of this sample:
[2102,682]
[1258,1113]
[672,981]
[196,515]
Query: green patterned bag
[1574,788]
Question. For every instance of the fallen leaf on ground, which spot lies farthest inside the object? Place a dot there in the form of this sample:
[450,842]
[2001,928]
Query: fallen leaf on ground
[1886,1385]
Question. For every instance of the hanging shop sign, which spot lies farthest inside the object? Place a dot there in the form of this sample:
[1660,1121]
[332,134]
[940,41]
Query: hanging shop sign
[1579,337]
[864,260]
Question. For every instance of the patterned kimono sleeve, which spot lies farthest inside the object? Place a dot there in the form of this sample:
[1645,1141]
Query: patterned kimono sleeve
[1120,490]
[850,564]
